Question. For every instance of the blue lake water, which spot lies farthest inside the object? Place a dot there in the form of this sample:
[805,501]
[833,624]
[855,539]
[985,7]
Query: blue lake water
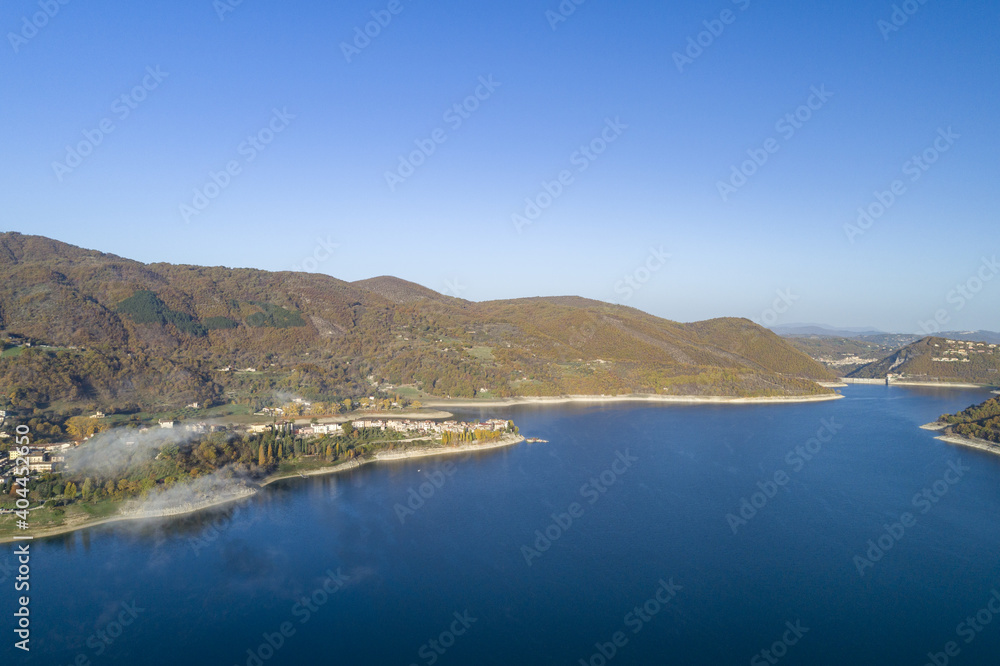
[648,490]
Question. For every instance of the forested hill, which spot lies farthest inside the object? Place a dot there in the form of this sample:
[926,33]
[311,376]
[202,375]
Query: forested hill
[937,359]
[80,327]
[981,421]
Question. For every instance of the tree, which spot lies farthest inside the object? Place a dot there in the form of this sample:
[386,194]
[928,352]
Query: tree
[348,428]
[261,458]
[70,491]
[81,427]
[88,488]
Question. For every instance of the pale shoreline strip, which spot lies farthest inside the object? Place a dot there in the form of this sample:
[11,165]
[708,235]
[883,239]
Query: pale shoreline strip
[980,444]
[166,513]
[666,399]
[382,456]
[941,385]
[893,382]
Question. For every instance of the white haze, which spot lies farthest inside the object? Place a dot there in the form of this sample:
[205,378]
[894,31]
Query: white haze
[225,482]
[114,451]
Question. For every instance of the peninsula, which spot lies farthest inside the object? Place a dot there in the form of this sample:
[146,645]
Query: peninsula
[204,474]
[976,427]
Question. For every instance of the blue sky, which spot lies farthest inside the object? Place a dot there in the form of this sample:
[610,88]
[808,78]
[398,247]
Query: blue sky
[773,248]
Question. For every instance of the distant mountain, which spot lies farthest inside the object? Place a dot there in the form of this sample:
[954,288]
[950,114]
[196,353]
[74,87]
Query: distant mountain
[819,329]
[936,359]
[973,336]
[80,327]
[799,330]
[845,355]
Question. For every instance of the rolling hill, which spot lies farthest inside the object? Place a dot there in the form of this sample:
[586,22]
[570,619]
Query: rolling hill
[937,359]
[85,329]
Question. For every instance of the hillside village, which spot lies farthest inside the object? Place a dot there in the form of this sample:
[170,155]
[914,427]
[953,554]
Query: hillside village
[49,458]
[960,351]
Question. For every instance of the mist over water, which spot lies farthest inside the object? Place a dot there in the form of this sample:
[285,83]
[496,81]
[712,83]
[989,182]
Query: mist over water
[638,559]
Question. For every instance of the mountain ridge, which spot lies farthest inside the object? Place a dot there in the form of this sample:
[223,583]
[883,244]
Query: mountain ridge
[123,332]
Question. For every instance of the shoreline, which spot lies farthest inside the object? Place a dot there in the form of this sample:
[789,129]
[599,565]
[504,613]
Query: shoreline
[406,454]
[981,444]
[653,398]
[66,529]
[942,385]
[962,385]
[394,456]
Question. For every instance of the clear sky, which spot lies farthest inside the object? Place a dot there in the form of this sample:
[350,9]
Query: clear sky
[311,117]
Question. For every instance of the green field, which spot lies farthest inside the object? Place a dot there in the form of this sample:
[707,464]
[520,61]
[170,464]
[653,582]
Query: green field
[482,353]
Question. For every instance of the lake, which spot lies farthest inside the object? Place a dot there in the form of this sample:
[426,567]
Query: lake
[821,533]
